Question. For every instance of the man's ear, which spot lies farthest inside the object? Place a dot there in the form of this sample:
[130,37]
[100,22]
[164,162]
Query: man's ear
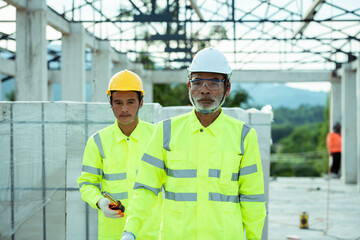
[141,103]
[228,89]
[188,85]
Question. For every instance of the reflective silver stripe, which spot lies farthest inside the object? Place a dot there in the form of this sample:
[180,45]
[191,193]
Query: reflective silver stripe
[115,176]
[235,177]
[245,130]
[166,134]
[181,173]
[140,185]
[122,195]
[92,170]
[223,198]
[153,161]
[99,144]
[252,198]
[214,173]
[89,183]
[248,170]
[180,196]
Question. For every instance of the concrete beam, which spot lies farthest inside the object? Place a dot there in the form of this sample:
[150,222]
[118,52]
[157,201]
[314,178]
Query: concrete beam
[7,67]
[308,16]
[19,4]
[58,22]
[178,76]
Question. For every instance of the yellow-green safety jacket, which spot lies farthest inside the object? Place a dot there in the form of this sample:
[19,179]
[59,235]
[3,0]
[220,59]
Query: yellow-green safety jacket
[212,177]
[110,163]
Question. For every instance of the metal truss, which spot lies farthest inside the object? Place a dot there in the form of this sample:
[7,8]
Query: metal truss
[254,34]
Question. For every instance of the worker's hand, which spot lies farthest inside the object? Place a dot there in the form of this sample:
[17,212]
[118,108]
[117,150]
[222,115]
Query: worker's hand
[104,206]
[128,236]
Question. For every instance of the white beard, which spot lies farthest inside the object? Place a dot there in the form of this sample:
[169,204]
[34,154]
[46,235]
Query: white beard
[206,109]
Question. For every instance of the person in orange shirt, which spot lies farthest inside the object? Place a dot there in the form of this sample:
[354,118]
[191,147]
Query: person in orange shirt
[333,143]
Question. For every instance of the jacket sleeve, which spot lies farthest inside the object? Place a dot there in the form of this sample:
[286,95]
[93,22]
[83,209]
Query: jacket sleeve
[148,183]
[91,174]
[251,188]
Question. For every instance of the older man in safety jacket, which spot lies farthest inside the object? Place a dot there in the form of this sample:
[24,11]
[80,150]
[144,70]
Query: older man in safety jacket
[209,164]
[112,158]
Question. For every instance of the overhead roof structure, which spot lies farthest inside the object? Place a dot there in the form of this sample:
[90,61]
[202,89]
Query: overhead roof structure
[256,34]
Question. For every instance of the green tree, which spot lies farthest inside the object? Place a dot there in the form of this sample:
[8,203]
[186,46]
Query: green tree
[10,96]
[236,99]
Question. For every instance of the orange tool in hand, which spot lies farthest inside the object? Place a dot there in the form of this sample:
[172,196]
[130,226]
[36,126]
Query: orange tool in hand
[115,204]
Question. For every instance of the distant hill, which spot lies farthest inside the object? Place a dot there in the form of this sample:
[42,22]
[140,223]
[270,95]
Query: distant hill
[280,95]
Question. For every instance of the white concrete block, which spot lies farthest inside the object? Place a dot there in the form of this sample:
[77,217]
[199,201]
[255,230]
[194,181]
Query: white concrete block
[27,111]
[55,216]
[75,149]
[55,112]
[100,112]
[27,154]
[168,112]
[55,155]
[75,111]
[256,118]
[5,111]
[150,112]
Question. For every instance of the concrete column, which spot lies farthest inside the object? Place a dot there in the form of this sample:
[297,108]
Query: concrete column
[31,59]
[0,86]
[103,72]
[335,102]
[349,125]
[73,64]
[358,119]
[148,87]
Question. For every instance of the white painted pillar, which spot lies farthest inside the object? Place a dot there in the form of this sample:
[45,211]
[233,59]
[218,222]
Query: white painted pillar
[73,64]
[349,125]
[103,72]
[358,120]
[335,102]
[31,59]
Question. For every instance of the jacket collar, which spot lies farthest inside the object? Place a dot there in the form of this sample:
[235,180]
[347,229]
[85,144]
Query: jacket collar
[214,128]
[119,135]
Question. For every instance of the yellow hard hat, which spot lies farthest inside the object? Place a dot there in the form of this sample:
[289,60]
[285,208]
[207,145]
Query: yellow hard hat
[125,81]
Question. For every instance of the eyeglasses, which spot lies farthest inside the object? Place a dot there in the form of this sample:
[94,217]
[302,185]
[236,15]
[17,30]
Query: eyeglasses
[212,84]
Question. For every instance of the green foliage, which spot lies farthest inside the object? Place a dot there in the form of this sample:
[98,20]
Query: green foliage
[10,96]
[171,94]
[146,61]
[237,98]
[302,115]
[303,139]
[279,131]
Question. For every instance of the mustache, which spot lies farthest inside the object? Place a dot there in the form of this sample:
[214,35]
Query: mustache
[209,98]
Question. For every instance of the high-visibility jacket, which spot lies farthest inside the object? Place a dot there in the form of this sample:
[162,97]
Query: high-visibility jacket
[212,177]
[333,142]
[110,163]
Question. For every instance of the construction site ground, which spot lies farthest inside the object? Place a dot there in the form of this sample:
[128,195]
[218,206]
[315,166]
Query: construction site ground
[333,209]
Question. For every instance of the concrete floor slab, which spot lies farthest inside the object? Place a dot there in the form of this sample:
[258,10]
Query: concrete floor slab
[333,208]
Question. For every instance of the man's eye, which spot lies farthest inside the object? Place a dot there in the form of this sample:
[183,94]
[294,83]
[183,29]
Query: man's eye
[198,83]
[213,84]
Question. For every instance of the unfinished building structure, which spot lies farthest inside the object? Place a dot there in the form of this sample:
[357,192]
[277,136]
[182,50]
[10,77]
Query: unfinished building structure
[75,43]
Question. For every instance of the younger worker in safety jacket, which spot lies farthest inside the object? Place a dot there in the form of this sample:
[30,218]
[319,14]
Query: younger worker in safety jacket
[112,158]
[209,164]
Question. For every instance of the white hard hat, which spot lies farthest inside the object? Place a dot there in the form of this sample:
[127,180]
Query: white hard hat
[210,60]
